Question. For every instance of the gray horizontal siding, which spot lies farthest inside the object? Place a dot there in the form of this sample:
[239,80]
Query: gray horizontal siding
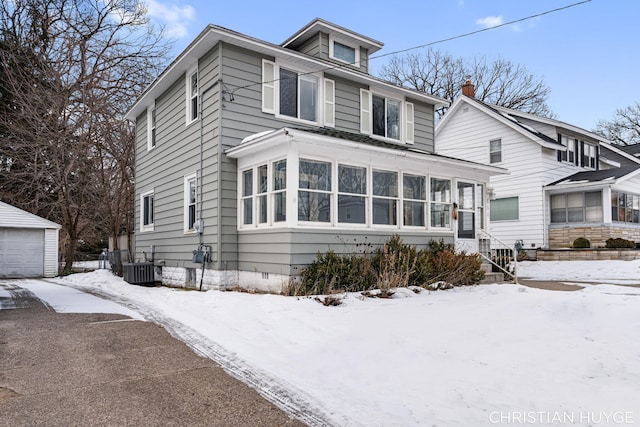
[287,251]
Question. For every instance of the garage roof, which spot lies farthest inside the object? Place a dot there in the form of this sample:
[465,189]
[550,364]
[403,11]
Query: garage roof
[12,217]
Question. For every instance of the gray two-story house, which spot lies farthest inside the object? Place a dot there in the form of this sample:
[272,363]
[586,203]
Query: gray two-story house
[258,156]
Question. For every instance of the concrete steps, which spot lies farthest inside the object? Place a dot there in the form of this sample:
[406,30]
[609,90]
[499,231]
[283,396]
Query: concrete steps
[489,275]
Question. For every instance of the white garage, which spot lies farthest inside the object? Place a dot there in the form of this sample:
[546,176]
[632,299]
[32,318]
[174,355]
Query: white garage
[28,244]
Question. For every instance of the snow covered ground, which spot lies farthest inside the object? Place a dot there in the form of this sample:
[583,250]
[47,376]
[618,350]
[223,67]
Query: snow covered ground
[474,356]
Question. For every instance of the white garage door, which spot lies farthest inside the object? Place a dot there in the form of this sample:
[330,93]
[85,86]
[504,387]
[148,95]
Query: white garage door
[21,252]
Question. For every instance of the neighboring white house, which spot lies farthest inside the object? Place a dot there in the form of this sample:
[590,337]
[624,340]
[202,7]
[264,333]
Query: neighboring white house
[28,244]
[562,178]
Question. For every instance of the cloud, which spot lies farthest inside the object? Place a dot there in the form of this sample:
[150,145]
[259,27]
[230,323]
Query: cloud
[176,18]
[490,21]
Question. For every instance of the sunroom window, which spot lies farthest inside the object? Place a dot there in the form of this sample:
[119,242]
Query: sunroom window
[415,198]
[440,203]
[385,197]
[352,194]
[262,194]
[314,194]
[577,207]
[247,197]
[280,191]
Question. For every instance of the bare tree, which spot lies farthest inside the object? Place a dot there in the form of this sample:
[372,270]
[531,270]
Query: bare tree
[498,82]
[624,128]
[70,69]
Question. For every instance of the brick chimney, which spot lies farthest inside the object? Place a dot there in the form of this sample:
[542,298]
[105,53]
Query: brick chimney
[468,89]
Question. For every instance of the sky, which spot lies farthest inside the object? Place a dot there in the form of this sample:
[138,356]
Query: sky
[481,355]
[586,54]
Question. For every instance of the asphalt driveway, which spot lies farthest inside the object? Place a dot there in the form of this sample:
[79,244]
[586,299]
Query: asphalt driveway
[109,370]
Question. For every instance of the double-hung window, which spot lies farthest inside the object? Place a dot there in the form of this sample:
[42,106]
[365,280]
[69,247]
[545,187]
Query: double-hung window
[589,156]
[314,194]
[190,201]
[495,151]
[263,181]
[352,194]
[146,211]
[289,93]
[440,203]
[151,127]
[279,190]
[386,117]
[415,198]
[385,197]
[247,197]
[192,95]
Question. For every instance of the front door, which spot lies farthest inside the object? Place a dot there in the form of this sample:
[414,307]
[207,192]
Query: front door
[468,214]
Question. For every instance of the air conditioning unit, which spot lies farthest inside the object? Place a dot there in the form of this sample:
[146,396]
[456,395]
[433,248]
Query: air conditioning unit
[138,273]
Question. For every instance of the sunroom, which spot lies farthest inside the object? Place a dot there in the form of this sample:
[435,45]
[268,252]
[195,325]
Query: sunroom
[597,205]
[305,191]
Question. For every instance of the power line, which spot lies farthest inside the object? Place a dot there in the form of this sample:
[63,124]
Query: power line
[483,29]
[333,67]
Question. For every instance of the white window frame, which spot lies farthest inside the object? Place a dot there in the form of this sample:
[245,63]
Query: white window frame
[424,201]
[187,203]
[590,156]
[432,202]
[329,112]
[256,196]
[151,127]
[406,111]
[244,197]
[492,151]
[150,226]
[366,195]
[397,199]
[189,95]
[330,193]
[356,50]
[517,198]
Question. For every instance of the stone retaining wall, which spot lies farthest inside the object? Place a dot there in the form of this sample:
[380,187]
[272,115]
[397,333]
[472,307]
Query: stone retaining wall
[563,236]
[587,254]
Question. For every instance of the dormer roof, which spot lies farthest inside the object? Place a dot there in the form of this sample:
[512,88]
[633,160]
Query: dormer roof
[320,25]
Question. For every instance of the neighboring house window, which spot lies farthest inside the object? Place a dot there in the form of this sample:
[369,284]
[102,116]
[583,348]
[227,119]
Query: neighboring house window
[279,191]
[382,116]
[576,207]
[505,209]
[589,156]
[146,211]
[385,197]
[495,151]
[352,194]
[343,52]
[192,95]
[314,194]
[466,210]
[414,190]
[440,203]
[247,197]
[151,127]
[297,95]
[625,207]
[190,202]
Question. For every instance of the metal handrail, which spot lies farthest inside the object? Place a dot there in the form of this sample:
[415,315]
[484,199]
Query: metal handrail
[494,241]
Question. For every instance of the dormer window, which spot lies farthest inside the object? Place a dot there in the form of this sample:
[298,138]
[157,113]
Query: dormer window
[344,52]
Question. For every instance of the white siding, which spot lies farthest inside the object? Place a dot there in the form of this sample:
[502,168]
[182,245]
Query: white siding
[10,216]
[467,134]
[50,252]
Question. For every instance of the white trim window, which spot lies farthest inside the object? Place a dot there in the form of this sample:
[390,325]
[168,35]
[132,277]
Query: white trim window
[414,190]
[190,203]
[440,205]
[297,95]
[387,118]
[147,211]
[505,209]
[385,197]
[192,95]
[314,191]
[261,203]
[151,126]
[247,197]
[589,156]
[344,52]
[352,194]
[495,151]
